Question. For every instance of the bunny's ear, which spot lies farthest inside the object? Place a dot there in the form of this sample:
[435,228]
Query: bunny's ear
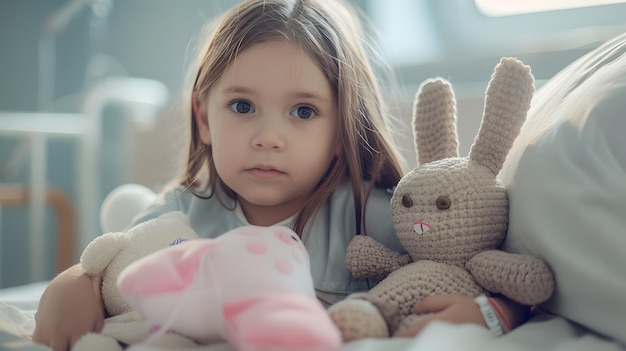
[434,122]
[507,101]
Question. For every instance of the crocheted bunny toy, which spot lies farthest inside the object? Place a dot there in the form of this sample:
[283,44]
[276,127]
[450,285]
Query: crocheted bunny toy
[106,256]
[251,286]
[450,214]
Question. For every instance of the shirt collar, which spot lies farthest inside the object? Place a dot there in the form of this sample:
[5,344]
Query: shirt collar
[244,220]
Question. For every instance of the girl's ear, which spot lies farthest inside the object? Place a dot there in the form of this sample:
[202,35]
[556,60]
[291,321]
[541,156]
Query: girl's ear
[202,119]
[338,144]
[338,147]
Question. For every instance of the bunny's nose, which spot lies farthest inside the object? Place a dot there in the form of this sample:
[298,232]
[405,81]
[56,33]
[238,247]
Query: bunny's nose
[421,227]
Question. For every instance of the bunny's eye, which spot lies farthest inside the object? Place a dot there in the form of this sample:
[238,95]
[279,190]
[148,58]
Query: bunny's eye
[407,201]
[443,203]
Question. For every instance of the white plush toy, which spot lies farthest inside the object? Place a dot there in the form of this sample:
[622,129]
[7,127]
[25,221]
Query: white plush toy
[106,257]
[251,286]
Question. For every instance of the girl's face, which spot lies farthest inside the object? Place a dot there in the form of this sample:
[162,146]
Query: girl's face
[272,123]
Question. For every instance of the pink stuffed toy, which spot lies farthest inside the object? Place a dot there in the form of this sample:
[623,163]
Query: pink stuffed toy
[251,286]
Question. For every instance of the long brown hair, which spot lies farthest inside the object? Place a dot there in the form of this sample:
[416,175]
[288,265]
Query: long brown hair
[330,33]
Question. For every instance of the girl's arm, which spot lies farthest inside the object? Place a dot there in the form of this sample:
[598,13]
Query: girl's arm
[460,309]
[70,307]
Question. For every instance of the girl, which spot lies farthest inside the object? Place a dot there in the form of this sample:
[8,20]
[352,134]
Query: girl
[287,127]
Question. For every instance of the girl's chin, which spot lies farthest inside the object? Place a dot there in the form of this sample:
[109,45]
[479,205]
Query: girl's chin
[266,202]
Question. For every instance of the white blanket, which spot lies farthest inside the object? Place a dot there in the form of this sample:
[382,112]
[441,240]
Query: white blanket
[542,332]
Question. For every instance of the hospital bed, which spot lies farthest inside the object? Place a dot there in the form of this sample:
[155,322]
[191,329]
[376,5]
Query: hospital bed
[566,176]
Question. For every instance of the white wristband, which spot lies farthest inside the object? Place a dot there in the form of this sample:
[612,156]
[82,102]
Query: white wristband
[490,316]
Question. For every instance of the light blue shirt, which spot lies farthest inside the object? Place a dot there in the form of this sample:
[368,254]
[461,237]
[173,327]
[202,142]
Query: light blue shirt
[332,229]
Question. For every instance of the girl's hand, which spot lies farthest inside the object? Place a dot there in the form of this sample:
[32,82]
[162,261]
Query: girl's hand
[459,309]
[70,307]
[455,309]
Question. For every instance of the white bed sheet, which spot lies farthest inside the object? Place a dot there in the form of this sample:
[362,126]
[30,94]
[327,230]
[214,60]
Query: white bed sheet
[542,332]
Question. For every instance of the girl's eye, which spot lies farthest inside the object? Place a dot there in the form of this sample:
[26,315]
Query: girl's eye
[303,112]
[241,107]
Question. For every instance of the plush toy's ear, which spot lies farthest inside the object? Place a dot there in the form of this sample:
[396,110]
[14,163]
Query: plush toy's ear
[434,122]
[101,251]
[507,101]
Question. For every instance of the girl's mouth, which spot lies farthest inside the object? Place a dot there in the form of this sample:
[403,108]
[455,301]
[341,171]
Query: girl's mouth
[264,173]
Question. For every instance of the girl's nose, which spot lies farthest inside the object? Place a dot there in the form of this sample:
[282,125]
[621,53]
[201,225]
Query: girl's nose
[269,135]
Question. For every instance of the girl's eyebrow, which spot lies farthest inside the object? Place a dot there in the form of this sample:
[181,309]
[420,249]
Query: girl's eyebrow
[310,95]
[238,90]
[297,95]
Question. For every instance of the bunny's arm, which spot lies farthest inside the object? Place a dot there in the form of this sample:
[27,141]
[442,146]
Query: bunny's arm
[522,278]
[367,258]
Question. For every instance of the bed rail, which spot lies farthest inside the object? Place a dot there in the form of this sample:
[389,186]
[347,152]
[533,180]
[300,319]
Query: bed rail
[19,195]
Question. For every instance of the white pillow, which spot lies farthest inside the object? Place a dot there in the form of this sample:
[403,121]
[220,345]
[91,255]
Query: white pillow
[566,176]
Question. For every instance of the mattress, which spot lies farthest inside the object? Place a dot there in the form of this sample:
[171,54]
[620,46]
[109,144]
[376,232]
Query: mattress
[543,331]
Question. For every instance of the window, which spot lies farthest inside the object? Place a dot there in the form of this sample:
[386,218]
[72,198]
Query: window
[496,8]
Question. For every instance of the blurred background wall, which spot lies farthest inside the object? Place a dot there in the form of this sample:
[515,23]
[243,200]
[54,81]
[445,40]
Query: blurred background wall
[154,39]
